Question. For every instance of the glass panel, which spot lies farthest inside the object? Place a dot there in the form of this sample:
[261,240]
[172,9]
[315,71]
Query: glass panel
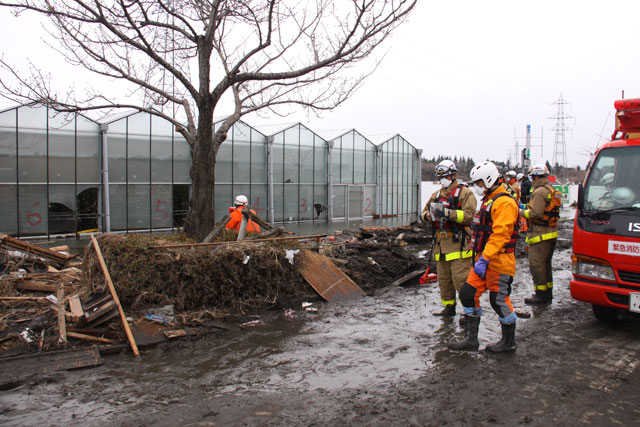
[356,201]
[306,165]
[8,162]
[181,160]
[118,206]
[259,163]
[358,167]
[370,206]
[8,119]
[306,137]
[346,164]
[62,209]
[32,118]
[613,180]
[292,202]
[278,163]
[372,170]
[336,155]
[32,155]
[8,209]
[162,206]
[339,201]
[89,167]
[62,152]
[278,202]
[161,127]
[242,162]
[138,207]
[138,167]
[116,150]
[33,210]
[291,161]
[223,199]
[241,132]
[347,141]
[139,125]
[161,152]
[320,165]
[259,200]
[359,143]
[84,124]
[305,210]
[320,203]
[224,163]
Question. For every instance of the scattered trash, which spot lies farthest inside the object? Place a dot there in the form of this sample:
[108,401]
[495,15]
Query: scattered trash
[372,261]
[290,314]
[306,304]
[26,335]
[246,259]
[291,253]
[423,254]
[253,323]
[523,314]
[312,309]
[53,299]
[158,319]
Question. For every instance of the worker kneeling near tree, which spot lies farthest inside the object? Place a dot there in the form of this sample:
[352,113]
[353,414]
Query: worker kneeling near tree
[493,240]
[236,216]
[450,209]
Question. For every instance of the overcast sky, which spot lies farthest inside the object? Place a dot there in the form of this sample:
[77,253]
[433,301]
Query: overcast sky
[462,77]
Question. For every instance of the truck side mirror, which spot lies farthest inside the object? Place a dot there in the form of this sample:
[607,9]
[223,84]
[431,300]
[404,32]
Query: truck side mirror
[580,197]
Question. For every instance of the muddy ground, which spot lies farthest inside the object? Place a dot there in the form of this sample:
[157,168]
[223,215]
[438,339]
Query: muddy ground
[379,360]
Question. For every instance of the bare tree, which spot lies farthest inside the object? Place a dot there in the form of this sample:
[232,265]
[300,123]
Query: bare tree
[258,54]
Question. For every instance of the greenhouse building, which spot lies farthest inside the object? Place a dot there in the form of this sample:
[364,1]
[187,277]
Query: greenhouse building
[64,174]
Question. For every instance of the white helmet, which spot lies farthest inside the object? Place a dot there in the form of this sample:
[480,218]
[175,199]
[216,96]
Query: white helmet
[510,174]
[520,176]
[607,179]
[486,172]
[539,170]
[445,168]
[623,195]
[241,200]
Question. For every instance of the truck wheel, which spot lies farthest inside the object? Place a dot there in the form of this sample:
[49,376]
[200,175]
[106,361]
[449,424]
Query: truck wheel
[606,314]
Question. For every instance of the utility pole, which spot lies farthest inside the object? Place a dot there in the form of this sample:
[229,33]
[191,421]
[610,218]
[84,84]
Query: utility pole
[560,143]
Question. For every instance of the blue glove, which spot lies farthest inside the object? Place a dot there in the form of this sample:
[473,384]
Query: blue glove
[480,267]
[522,206]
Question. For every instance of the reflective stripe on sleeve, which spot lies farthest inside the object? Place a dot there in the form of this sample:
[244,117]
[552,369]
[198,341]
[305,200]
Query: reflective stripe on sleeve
[526,213]
[459,216]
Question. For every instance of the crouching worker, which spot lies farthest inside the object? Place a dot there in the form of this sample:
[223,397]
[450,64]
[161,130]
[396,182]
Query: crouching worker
[236,216]
[493,240]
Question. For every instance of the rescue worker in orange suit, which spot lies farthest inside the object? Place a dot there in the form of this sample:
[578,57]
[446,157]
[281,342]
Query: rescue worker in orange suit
[450,209]
[235,219]
[542,214]
[493,240]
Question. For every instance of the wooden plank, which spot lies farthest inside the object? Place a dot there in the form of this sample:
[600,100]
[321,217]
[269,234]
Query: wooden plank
[100,310]
[217,229]
[327,279]
[114,294]
[30,285]
[62,325]
[103,318]
[16,368]
[34,249]
[400,281]
[22,298]
[79,336]
[147,333]
[75,307]
[63,248]
[189,245]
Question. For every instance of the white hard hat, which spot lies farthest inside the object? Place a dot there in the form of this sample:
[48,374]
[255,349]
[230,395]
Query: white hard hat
[241,200]
[510,174]
[519,176]
[607,179]
[486,172]
[445,168]
[539,170]
[623,195]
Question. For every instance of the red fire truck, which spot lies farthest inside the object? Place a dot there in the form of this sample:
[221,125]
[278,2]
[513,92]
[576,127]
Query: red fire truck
[606,232]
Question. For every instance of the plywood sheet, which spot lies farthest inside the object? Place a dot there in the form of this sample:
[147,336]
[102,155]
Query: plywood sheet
[327,279]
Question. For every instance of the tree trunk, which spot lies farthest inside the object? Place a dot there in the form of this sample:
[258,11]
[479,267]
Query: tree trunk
[200,218]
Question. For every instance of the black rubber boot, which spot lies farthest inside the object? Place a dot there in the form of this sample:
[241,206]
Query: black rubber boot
[540,297]
[508,341]
[449,310]
[470,340]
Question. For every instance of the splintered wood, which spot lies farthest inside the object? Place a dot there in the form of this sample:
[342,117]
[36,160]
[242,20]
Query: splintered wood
[327,279]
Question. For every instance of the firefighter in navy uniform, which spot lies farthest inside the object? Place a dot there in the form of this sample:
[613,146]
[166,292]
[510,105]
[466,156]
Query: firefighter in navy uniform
[450,209]
[542,214]
[493,241]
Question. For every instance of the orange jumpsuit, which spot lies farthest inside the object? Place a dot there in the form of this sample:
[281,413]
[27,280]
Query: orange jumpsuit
[236,220]
[498,250]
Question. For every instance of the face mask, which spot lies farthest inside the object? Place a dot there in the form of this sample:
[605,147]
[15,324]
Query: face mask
[445,182]
[479,190]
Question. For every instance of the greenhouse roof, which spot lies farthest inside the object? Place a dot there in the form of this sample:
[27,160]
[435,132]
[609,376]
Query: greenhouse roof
[329,135]
[273,129]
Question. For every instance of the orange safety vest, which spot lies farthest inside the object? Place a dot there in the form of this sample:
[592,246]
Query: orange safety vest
[552,209]
[236,220]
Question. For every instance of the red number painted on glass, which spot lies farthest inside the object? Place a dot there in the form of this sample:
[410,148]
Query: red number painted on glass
[256,206]
[369,203]
[33,218]
[159,208]
[303,205]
